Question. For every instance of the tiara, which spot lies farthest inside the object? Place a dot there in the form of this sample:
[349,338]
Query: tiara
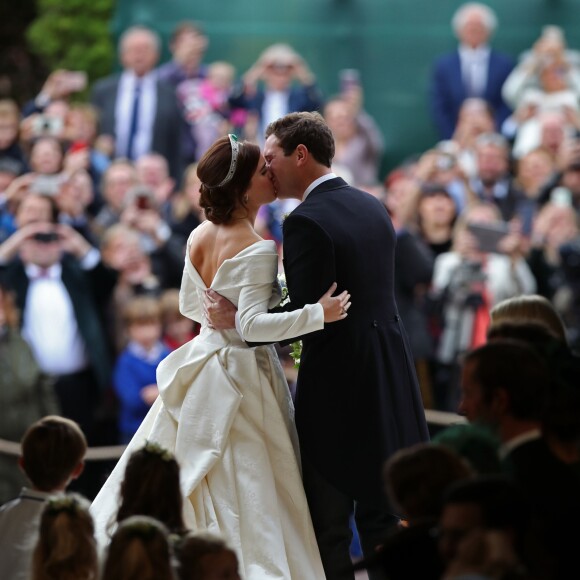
[235,150]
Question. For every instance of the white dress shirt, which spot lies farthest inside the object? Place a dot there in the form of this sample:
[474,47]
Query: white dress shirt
[474,66]
[275,105]
[317,182]
[49,323]
[507,447]
[145,119]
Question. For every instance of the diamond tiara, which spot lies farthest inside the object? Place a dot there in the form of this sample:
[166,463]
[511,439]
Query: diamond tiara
[235,151]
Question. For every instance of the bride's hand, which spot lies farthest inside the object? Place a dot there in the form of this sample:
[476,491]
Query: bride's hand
[335,307]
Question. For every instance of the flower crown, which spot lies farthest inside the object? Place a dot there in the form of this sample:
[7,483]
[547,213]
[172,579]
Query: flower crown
[141,527]
[156,449]
[65,503]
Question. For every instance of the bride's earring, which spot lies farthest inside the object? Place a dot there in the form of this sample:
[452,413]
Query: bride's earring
[246,198]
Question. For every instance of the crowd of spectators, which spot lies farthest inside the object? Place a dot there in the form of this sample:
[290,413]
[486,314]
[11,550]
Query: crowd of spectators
[97,200]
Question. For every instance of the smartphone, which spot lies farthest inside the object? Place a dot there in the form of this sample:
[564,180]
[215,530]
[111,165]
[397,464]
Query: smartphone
[489,235]
[349,79]
[75,81]
[46,237]
[47,184]
[143,201]
[77,146]
[561,196]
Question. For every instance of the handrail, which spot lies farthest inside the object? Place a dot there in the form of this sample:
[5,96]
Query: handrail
[110,452]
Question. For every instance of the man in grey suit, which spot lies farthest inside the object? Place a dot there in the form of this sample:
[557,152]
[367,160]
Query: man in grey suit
[137,109]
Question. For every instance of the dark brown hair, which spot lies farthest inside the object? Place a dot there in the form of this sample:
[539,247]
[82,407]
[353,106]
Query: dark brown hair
[192,548]
[308,129]
[66,548]
[220,202]
[416,478]
[51,449]
[139,548]
[151,488]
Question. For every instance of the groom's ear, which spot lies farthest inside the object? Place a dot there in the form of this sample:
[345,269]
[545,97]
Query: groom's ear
[302,154]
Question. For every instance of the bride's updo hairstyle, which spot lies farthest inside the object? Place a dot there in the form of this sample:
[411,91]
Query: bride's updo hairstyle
[225,172]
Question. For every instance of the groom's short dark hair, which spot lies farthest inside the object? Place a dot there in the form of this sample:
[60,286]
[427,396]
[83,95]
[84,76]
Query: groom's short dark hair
[308,129]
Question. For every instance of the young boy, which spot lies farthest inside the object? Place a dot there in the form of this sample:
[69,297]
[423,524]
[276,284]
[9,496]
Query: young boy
[53,450]
[134,378]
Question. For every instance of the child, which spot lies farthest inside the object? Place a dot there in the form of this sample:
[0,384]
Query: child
[206,557]
[177,329]
[134,377]
[151,488]
[140,550]
[66,548]
[207,110]
[53,450]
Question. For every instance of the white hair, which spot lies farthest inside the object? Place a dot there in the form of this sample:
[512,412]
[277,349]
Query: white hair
[140,29]
[487,14]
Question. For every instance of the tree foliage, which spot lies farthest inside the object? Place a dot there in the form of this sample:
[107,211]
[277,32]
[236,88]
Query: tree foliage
[74,35]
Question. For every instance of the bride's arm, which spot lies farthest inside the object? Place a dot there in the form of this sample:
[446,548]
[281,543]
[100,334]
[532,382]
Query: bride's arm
[256,324]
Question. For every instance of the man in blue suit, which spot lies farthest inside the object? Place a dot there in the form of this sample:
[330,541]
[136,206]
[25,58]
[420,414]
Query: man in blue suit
[473,70]
[138,109]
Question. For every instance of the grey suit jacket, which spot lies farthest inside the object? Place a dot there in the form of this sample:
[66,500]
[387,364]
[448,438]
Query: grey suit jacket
[168,126]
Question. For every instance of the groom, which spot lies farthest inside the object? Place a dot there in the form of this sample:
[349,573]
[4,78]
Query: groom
[357,398]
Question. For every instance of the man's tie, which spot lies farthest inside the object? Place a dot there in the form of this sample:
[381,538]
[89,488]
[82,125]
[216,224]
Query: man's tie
[134,125]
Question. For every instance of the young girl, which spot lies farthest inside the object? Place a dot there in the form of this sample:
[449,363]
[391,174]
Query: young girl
[151,487]
[66,548]
[139,550]
[206,557]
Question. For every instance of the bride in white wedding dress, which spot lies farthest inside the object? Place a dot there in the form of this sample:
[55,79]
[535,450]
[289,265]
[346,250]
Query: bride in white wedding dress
[224,408]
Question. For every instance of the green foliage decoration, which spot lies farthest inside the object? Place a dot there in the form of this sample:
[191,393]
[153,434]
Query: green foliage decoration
[74,35]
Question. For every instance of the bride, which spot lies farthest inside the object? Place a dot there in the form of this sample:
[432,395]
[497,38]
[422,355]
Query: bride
[224,408]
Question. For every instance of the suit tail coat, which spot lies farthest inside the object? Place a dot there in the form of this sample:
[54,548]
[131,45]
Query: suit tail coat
[358,399]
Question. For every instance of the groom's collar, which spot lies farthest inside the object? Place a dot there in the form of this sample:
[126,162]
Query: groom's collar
[316,183]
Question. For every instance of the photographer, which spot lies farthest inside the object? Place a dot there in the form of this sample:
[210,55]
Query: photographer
[566,175]
[61,287]
[468,281]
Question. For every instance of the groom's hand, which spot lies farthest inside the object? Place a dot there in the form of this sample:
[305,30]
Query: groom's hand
[219,311]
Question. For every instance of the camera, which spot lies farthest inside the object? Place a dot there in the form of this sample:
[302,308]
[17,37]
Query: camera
[45,237]
[445,162]
[44,125]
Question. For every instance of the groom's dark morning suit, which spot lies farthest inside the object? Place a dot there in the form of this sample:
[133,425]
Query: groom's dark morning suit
[357,399]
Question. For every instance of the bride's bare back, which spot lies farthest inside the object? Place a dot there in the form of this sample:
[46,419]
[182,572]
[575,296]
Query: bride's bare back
[213,244]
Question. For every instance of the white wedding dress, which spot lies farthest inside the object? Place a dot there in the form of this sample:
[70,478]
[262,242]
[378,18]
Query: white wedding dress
[224,410]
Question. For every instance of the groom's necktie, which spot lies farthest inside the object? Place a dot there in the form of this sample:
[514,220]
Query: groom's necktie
[134,123]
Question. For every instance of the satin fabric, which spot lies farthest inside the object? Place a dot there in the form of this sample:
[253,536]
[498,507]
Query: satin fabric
[225,411]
